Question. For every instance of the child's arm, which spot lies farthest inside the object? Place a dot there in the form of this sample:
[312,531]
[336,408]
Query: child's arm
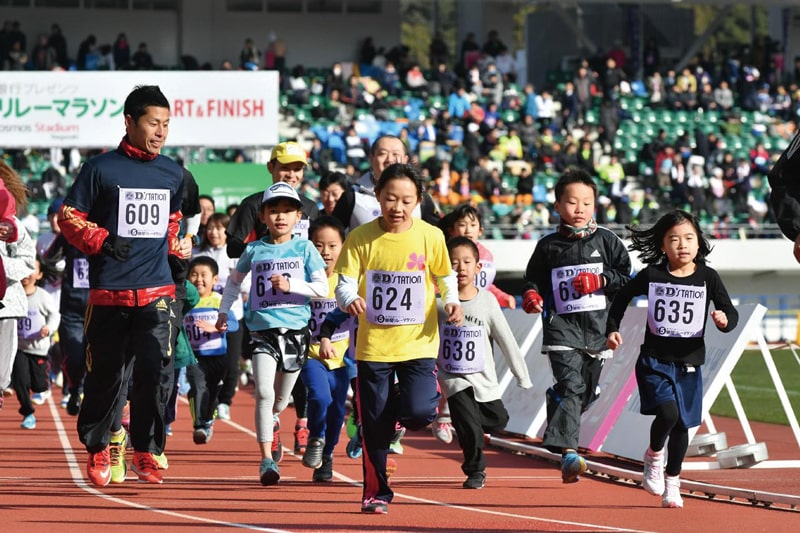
[535,272]
[229,295]
[618,270]
[52,315]
[347,295]
[501,333]
[725,316]
[637,285]
[448,289]
[316,288]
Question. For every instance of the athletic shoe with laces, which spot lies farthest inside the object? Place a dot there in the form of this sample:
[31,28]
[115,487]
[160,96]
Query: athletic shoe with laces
[351,425]
[145,466]
[301,434]
[672,493]
[324,474]
[395,446]
[39,398]
[202,434]
[29,422]
[116,452]
[374,506]
[277,448]
[224,411]
[74,404]
[475,480]
[354,447]
[572,466]
[161,461]
[65,401]
[442,431]
[268,472]
[98,468]
[653,473]
[312,458]
[391,468]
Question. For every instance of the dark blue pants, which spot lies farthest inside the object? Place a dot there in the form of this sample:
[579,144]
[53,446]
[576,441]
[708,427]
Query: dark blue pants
[327,394]
[414,406]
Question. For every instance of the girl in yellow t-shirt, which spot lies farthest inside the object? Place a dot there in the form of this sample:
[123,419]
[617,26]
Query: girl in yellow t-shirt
[389,270]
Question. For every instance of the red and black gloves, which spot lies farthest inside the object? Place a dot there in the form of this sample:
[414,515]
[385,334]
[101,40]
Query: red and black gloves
[532,302]
[587,282]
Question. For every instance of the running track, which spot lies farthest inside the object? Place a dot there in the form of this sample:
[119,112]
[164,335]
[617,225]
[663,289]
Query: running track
[215,487]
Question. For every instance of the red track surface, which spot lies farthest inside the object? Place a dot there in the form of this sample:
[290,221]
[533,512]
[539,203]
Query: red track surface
[215,487]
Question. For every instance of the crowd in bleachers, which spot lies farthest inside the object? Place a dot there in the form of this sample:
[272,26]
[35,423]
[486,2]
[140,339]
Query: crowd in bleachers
[701,137]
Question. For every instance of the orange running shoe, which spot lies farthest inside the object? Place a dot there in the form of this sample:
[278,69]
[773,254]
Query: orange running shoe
[145,466]
[98,468]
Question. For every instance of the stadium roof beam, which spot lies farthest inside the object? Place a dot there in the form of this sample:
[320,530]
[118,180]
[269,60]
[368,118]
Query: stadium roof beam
[702,38]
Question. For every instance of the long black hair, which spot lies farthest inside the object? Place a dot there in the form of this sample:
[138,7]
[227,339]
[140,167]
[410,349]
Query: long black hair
[648,242]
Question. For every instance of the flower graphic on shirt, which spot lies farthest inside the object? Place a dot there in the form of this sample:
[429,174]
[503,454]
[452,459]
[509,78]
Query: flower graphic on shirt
[416,262]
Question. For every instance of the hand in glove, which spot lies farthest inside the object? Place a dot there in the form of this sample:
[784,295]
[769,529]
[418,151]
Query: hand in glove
[587,282]
[117,247]
[532,302]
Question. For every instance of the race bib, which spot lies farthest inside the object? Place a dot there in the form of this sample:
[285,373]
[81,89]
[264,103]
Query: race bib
[486,276]
[395,298]
[462,349]
[80,273]
[567,299]
[202,340]
[30,327]
[676,310]
[262,295]
[143,213]
[319,310]
[301,228]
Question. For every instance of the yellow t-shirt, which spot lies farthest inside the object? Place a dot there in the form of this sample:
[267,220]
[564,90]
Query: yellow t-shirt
[396,277]
[341,337]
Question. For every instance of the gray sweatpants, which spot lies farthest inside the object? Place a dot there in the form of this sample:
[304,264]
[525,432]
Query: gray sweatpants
[8,350]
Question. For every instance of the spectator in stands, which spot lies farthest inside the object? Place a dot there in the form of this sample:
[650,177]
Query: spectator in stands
[87,59]
[354,148]
[759,159]
[612,77]
[59,44]
[43,55]
[655,87]
[546,108]
[458,104]
[493,45]
[511,145]
[525,186]
[438,51]
[250,56]
[367,52]
[16,58]
[469,52]
[352,96]
[142,60]
[613,175]
[618,55]
[320,157]
[528,135]
[507,66]
[723,96]
[122,52]
[584,89]
[444,80]
[278,48]
[335,79]
[416,82]
[300,91]
[696,184]
[207,208]
[390,80]
[706,100]
[569,106]
[781,104]
[474,82]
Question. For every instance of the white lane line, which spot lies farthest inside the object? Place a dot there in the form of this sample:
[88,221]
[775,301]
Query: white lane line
[77,476]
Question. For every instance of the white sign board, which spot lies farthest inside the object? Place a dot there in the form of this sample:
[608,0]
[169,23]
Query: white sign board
[630,434]
[85,109]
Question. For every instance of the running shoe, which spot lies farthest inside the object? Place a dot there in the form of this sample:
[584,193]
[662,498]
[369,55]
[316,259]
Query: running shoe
[74,404]
[116,452]
[324,474]
[351,424]
[312,458]
[144,465]
[29,422]
[202,434]
[572,466]
[395,446]
[374,506]
[653,473]
[98,468]
[65,401]
[391,468]
[161,461]
[476,480]
[354,447]
[442,431]
[39,398]
[268,472]
[300,439]
[224,411]
[672,493]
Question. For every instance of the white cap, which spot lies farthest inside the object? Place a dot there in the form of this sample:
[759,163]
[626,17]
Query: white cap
[281,190]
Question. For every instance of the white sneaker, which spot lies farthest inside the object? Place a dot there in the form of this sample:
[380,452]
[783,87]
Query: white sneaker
[442,431]
[672,493]
[223,411]
[40,397]
[653,474]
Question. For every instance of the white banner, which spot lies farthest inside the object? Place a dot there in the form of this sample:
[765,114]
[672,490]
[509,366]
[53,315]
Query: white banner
[85,109]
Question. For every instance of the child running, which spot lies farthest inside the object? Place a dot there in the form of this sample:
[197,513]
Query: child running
[35,332]
[679,287]
[286,272]
[208,344]
[465,221]
[325,373]
[569,277]
[466,365]
[387,270]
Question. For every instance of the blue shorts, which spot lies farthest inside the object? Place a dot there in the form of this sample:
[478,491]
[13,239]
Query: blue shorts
[661,381]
